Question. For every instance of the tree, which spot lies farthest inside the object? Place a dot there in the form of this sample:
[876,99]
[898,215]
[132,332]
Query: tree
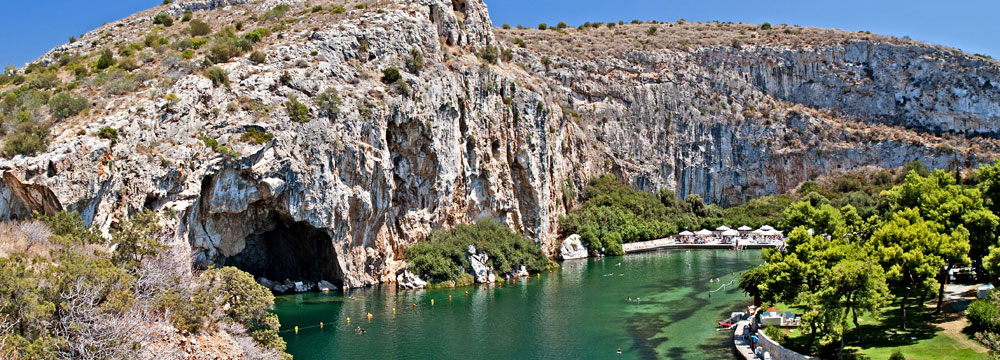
[855,283]
[824,219]
[137,239]
[908,248]
[163,19]
[297,111]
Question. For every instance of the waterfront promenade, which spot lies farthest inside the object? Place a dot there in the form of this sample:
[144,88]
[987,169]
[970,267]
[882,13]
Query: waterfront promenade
[670,243]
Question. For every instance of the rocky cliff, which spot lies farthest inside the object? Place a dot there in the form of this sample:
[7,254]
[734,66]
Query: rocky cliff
[473,134]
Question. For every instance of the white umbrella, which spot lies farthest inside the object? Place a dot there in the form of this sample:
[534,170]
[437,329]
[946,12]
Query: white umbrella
[704,232]
[758,232]
[772,232]
[744,228]
[766,227]
[730,232]
[722,228]
[686,233]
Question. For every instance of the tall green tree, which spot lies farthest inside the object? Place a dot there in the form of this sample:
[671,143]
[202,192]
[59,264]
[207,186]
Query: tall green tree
[909,249]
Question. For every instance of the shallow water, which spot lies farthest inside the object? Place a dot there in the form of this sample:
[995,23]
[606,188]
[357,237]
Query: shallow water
[578,312]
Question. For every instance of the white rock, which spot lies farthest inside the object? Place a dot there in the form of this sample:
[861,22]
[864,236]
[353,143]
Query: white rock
[572,248]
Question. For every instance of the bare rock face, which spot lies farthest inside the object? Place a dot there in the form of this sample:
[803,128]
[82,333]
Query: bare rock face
[572,248]
[340,197]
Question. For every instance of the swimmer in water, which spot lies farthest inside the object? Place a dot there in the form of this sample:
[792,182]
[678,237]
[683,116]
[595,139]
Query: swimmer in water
[629,299]
[619,351]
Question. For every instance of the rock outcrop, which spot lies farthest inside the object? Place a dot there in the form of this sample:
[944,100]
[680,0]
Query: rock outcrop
[572,248]
[408,280]
[340,197]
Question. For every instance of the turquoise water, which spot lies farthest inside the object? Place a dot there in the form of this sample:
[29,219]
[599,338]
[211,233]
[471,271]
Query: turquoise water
[578,312]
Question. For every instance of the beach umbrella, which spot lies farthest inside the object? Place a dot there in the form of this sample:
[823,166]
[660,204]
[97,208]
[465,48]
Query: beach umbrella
[744,228]
[730,232]
[686,233]
[766,227]
[758,232]
[722,228]
[704,232]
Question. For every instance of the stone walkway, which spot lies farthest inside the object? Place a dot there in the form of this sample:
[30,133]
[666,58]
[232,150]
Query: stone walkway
[742,346]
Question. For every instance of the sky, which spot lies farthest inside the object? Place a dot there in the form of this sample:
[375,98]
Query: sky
[30,28]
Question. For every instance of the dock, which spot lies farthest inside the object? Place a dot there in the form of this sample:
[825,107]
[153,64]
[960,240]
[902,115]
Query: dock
[669,243]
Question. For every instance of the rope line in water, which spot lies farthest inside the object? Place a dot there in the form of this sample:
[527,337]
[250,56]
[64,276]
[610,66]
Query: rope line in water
[723,286]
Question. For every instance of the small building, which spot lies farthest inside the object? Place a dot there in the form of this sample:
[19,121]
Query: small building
[983,290]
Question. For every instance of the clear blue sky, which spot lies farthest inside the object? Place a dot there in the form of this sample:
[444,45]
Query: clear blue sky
[29,28]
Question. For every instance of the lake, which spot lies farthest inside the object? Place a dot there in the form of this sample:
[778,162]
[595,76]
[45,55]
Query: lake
[580,311]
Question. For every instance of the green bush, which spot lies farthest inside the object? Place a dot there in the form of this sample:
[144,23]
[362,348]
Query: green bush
[519,42]
[257,137]
[199,28]
[250,304]
[28,138]
[415,62]
[217,75]
[390,75]
[561,25]
[328,103]
[489,54]
[188,14]
[106,60]
[257,34]
[218,148]
[64,105]
[338,9]
[297,111]
[128,64]
[226,46]
[43,80]
[163,19]
[651,31]
[543,26]
[775,333]
[108,133]
[276,12]
[613,214]
[984,314]
[257,57]
[765,26]
[439,256]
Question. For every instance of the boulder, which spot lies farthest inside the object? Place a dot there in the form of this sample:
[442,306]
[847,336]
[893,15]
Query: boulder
[408,280]
[325,286]
[572,248]
[479,268]
[522,272]
[265,282]
[303,286]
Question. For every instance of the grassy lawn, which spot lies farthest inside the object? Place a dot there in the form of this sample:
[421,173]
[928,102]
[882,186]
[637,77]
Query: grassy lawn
[928,336]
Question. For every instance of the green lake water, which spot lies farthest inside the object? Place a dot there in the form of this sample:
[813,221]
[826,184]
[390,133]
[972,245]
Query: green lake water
[577,312]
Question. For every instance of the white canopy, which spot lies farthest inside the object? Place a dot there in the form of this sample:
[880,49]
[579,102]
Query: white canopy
[722,228]
[766,227]
[704,232]
[758,232]
[686,233]
[744,228]
[730,232]
[771,232]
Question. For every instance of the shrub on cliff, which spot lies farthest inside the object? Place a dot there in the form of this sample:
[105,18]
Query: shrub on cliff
[328,102]
[226,45]
[217,75]
[440,256]
[297,111]
[489,54]
[64,105]
[163,19]
[199,28]
[28,138]
[106,60]
[415,62]
[390,75]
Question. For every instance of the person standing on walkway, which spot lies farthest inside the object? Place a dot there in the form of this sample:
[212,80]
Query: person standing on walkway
[753,342]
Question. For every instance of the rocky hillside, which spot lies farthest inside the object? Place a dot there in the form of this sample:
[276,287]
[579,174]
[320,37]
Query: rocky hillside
[283,141]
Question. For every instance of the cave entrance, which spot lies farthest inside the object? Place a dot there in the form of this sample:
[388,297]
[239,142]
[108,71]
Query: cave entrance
[294,251]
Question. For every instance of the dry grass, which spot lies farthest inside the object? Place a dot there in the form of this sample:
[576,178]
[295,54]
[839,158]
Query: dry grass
[619,39]
[29,237]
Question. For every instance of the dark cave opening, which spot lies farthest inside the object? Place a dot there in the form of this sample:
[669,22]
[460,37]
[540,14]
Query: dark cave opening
[294,251]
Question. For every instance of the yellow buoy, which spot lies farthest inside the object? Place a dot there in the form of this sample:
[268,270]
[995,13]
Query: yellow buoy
[539,276]
[369,316]
[348,320]
[296,329]
[393,310]
[320,324]
[432,302]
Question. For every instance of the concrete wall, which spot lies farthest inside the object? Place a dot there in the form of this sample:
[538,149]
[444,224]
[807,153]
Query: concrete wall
[778,352]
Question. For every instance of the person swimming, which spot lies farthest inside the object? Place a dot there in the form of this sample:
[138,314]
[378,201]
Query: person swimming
[619,351]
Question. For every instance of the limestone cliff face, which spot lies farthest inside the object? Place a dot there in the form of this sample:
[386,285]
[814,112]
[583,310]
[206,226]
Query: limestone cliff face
[341,196]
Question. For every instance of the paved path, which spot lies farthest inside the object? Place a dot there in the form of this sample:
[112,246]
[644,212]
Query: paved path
[742,346]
